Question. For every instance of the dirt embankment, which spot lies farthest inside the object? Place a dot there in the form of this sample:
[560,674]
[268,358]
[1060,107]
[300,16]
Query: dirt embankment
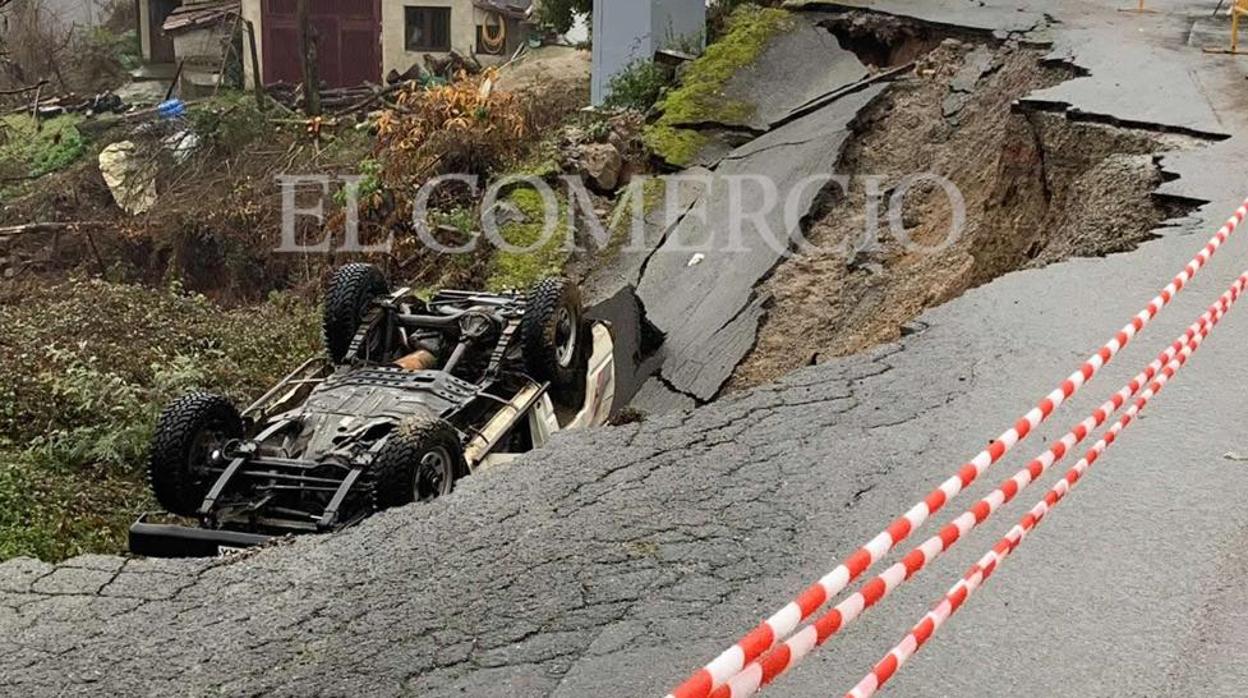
[1038,188]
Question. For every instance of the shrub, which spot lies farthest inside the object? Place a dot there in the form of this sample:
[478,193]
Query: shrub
[230,122]
[81,392]
[534,257]
[464,127]
[53,515]
[639,86]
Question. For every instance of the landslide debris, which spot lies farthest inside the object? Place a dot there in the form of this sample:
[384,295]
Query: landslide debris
[1038,188]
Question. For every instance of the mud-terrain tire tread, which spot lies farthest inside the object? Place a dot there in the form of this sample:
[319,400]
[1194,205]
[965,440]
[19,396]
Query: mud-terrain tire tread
[537,331]
[391,475]
[350,290]
[176,430]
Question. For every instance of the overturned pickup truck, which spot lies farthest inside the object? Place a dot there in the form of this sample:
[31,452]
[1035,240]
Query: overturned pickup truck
[411,396]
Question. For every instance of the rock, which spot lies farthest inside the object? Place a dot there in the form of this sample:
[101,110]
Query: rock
[505,213]
[616,140]
[979,63]
[602,164]
[953,104]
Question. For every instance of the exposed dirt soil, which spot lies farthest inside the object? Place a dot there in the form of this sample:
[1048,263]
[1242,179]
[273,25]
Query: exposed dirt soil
[541,68]
[1038,189]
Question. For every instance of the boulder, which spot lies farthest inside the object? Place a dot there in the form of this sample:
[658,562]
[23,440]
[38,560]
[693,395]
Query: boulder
[603,165]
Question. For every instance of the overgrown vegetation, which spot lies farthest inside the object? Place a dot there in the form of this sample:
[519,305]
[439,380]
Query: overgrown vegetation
[718,13]
[465,127]
[639,86]
[31,149]
[38,45]
[560,15]
[700,99]
[88,366]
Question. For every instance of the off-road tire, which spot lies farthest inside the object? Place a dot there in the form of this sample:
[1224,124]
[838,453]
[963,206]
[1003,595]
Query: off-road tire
[394,471]
[177,486]
[347,297]
[539,331]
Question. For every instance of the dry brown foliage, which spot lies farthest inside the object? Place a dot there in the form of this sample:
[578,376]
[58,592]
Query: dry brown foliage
[465,127]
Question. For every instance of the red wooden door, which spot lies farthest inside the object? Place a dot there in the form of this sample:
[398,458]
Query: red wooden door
[348,41]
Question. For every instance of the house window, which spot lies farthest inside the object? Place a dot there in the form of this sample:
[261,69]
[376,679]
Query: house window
[428,29]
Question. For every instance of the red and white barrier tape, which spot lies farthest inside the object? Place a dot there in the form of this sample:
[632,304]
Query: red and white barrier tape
[780,625]
[791,652]
[982,570]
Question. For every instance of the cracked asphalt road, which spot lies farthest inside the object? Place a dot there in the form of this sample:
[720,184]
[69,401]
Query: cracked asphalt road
[618,560]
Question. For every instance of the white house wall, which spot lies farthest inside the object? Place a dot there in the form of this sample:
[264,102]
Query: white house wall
[621,35]
[464,21]
[675,22]
[626,31]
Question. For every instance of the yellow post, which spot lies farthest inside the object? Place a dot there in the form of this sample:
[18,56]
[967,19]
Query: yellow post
[1139,10]
[1235,27]
[1238,9]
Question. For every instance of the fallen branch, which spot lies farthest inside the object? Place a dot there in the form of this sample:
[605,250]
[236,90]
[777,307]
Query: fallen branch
[28,228]
[23,90]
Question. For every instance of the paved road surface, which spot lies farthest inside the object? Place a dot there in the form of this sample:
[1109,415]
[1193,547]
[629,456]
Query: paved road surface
[617,561]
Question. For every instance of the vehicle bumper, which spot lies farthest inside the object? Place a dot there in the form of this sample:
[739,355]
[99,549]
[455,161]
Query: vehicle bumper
[171,541]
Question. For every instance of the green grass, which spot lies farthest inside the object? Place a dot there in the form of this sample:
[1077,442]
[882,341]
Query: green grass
[87,367]
[700,98]
[53,514]
[537,258]
[35,148]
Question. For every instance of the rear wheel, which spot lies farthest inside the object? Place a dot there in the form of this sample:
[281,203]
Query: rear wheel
[350,291]
[553,337]
[188,434]
[420,462]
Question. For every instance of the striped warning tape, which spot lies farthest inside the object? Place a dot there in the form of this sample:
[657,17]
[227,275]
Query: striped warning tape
[790,652]
[982,570]
[784,622]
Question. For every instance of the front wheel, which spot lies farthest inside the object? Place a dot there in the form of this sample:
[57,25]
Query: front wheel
[188,434]
[419,463]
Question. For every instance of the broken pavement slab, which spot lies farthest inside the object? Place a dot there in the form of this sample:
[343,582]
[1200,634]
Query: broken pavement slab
[780,82]
[979,62]
[750,81]
[709,311]
[664,202]
[131,182]
[1000,19]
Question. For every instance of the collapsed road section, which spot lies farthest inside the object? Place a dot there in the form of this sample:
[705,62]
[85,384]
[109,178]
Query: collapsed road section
[825,268]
